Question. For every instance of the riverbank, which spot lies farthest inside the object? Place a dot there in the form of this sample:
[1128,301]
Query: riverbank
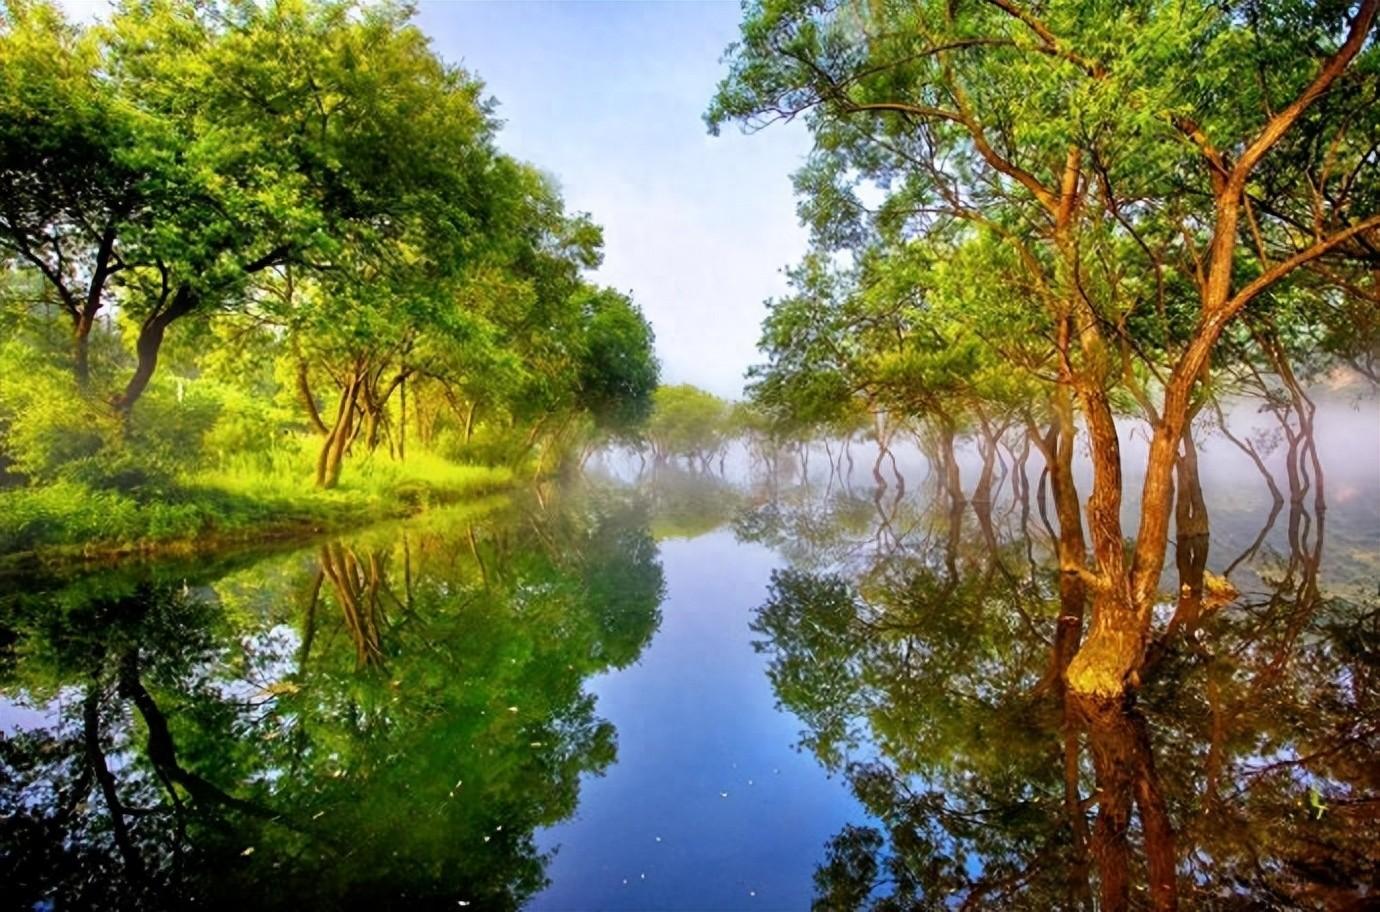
[246,501]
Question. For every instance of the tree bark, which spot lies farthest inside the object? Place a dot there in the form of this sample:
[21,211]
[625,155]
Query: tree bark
[1057,448]
[332,454]
[81,347]
[308,401]
[1191,538]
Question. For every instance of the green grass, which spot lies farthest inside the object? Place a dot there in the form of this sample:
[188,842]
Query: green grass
[241,498]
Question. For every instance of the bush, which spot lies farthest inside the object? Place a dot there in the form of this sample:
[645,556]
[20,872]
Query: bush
[65,512]
[46,421]
[169,424]
[246,425]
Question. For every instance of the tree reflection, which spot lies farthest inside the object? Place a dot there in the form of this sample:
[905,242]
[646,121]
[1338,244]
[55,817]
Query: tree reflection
[1241,774]
[381,722]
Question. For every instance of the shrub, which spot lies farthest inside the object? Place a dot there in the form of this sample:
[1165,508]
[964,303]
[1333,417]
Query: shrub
[46,421]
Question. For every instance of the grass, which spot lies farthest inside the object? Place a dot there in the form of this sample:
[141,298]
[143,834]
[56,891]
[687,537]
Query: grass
[243,497]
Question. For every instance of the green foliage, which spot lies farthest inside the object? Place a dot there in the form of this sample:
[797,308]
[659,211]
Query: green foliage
[618,367]
[1008,197]
[686,421]
[234,225]
[44,421]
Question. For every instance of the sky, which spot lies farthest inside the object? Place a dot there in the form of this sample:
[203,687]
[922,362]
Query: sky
[608,97]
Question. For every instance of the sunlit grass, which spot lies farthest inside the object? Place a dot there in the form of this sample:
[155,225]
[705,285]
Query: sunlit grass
[259,494]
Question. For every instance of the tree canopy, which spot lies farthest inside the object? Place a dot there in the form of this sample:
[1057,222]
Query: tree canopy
[300,199]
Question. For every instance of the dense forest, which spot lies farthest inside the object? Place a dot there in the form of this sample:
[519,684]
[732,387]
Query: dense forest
[252,249]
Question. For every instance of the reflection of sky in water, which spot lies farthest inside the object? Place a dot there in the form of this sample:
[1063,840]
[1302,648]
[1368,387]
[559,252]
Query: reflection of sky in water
[695,715]
[696,719]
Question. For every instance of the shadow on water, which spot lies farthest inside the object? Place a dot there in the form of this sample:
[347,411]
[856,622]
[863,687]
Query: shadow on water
[380,721]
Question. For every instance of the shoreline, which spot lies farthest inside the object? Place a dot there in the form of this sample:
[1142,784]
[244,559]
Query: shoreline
[273,532]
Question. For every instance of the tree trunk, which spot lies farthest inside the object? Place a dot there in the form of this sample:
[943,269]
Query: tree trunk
[1191,538]
[84,314]
[1057,448]
[308,401]
[332,455]
[402,421]
[150,342]
[372,418]
[883,437]
[81,348]
[952,477]
[1111,655]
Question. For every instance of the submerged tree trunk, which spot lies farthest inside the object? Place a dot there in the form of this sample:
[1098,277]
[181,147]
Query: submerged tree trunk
[1191,538]
[987,449]
[1056,446]
[1114,648]
[951,477]
[883,440]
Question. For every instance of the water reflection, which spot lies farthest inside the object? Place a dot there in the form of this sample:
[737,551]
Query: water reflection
[922,648]
[381,721]
[407,716]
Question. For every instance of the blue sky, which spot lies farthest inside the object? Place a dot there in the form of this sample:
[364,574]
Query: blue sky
[608,97]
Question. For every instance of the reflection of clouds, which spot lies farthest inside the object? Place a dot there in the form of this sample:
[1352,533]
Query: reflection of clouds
[1345,493]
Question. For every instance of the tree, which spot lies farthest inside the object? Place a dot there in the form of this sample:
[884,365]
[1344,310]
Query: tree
[71,185]
[1119,159]
[686,421]
[618,366]
[223,140]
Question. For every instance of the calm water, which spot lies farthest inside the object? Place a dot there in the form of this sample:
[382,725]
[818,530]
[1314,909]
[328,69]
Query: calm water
[686,691]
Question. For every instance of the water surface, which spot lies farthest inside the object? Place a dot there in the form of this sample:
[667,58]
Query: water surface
[681,690]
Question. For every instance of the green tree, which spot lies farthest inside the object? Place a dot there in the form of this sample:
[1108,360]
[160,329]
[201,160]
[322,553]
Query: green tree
[71,186]
[1150,179]
[686,421]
